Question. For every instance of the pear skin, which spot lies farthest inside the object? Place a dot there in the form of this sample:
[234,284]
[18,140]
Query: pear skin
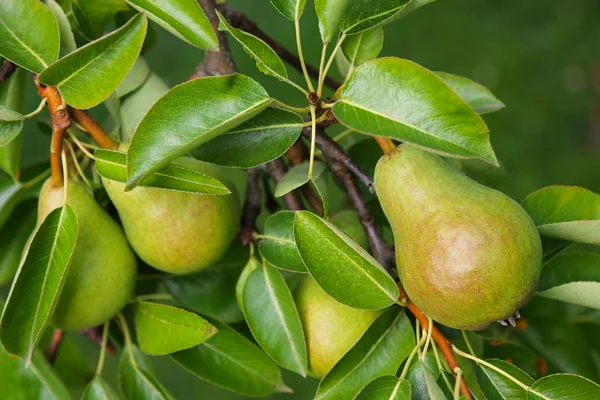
[178,232]
[467,255]
[103,268]
[331,328]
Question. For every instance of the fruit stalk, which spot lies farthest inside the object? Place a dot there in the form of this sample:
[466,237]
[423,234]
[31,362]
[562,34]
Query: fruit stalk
[385,143]
[92,127]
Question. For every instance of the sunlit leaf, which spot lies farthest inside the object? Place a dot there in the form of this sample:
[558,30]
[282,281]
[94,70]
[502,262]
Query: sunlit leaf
[477,96]
[291,9]
[497,386]
[277,245]
[386,388]
[364,14]
[364,46]
[564,386]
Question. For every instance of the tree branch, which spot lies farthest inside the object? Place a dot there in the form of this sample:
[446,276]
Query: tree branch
[93,128]
[6,70]
[55,342]
[252,207]
[277,170]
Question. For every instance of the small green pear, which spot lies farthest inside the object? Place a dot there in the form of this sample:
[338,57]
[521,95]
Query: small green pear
[331,328]
[103,267]
[466,254]
[178,232]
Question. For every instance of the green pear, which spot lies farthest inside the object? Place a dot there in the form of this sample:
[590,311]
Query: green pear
[178,232]
[349,223]
[331,328]
[466,254]
[103,267]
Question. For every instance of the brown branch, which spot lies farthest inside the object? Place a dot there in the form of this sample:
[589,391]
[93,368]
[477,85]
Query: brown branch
[55,342]
[443,343]
[93,128]
[239,20]
[95,336]
[277,170]
[252,206]
[6,70]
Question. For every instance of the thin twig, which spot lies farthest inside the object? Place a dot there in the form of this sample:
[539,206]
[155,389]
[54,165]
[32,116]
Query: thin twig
[6,70]
[277,170]
[252,207]
[93,128]
[55,342]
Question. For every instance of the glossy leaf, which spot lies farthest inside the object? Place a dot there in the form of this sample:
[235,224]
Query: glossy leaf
[564,386]
[241,283]
[410,7]
[40,279]
[112,164]
[379,352]
[566,212]
[67,39]
[572,277]
[136,380]
[183,18]
[11,124]
[364,46]
[423,383]
[477,96]
[257,141]
[419,108]
[98,389]
[386,388]
[273,319]
[298,176]
[92,16]
[29,32]
[90,74]
[189,115]
[496,386]
[267,61]
[340,266]
[231,361]
[365,14]
[134,79]
[291,9]
[330,14]
[10,195]
[15,233]
[277,245]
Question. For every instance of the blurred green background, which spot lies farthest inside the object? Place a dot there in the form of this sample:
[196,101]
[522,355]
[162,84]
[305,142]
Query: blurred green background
[541,59]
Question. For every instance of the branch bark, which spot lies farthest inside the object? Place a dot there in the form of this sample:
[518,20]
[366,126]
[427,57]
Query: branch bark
[252,207]
[6,70]
[55,342]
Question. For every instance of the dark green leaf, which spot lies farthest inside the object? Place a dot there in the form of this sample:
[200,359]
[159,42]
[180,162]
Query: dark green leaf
[418,108]
[291,9]
[298,176]
[423,383]
[572,277]
[90,74]
[340,266]
[11,124]
[379,352]
[273,319]
[231,361]
[496,386]
[364,46]
[564,386]
[92,16]
[12,95]
[135,378]
[183,18]
[67,39]
[40,279]
[330,14]
[566,212]
[10,195]
[277,245]
[134,80]
[477,96]
[386,388]
[111,164]
[365,14]
[15,233]
[98,389]
[29,32]
[189,115]
[259,140]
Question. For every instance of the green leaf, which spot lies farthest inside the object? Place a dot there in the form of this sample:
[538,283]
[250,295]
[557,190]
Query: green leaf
[419,108]
[98,389]
[340,266]
[134,80]
[291,9]
[40,279]
[92,16]
[564,386]
[277,245]
[379,352]
[189,115]
[231,361]
[410,7]
[364,46]
[477,96]
[15,233]
[566,212]
[136,381]
[29,35]
[11,124]
[67,39]
[423,383]
[87,76]
[163,329]
[267,61]
[365,14]
[241,283]
[111,164]
[572,277]
[496,386]
[257,141]
[10,195]
[183,18]
[386,388]
[298,176]
[330,14]
[273,319]
[12,95]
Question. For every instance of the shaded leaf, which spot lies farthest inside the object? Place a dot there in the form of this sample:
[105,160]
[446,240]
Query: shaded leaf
[11,124]
[12,96]
[183,18]
[419,108]
[496,386]
[365,14]
[423,383]
[257,141]
[87,76]
[477,96]
[291,9]
[241,283]
[15,233]
[340,266]
[386,388]
[136,381]
[298,176]
[330,14]
[277,245]
[364,46]
[67,39]
[189,115]
[564,386]
[134,79]
[98,389]
[29,32]
[40,279]
[10,195]
[92,16]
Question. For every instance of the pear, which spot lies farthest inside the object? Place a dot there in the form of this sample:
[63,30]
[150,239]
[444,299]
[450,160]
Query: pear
[331,328]
[103,268]
[178,232]
[467,255]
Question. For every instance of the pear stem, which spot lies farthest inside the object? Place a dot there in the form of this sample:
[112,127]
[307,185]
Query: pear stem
[55,342]
[385,143]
